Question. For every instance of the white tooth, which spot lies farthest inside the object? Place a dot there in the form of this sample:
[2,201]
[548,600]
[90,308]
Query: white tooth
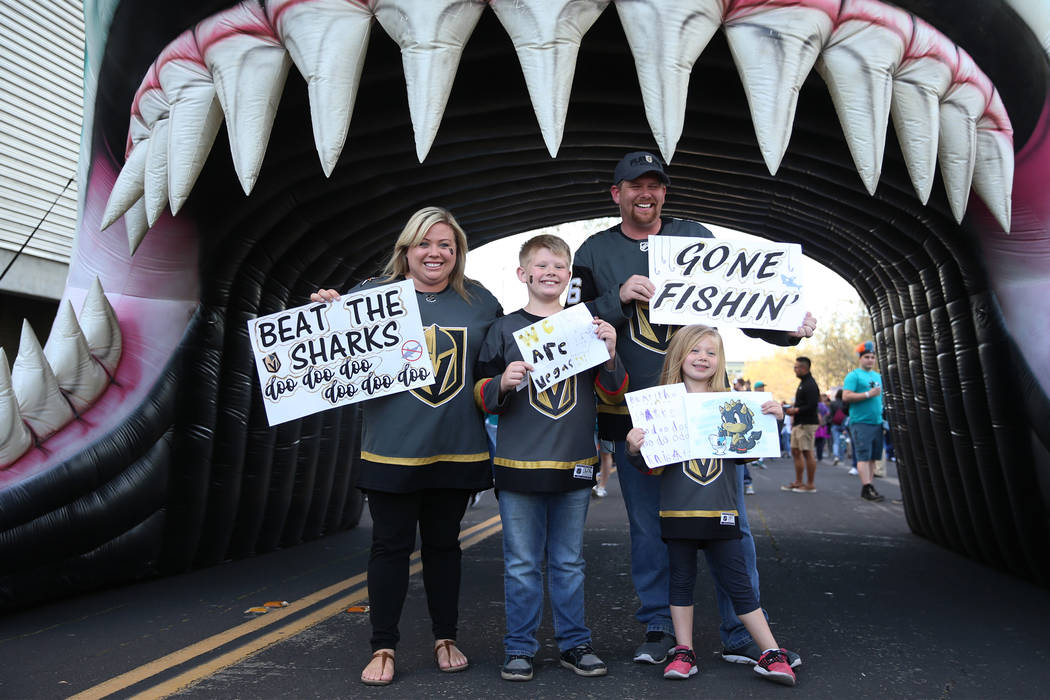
[78,374]
[774,50]
[15,438]
[547,39]
[130,185]
[923,77]
[666,38]
[327,40]
[101,329]
[962,105]
[249,67]
[135,224]
[993,173]
[431,34]
[40,400]
[156,174]
[195,114]
[858,64]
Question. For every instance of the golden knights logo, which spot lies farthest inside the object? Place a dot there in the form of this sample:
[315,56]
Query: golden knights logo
[703,471]
[555,401]
[643,332]
[448,355]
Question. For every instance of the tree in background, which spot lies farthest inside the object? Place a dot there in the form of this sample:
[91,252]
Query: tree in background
[831,350]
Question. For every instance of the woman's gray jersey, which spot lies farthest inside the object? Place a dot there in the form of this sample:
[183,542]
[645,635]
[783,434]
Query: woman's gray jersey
[433,436]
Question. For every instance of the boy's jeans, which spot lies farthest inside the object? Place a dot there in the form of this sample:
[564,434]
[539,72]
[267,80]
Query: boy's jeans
[650,570]
[534,523]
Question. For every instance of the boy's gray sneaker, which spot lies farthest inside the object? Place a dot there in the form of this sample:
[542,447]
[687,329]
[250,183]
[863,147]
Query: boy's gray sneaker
[517,668]
[750,654]
[583,661]
[655,648]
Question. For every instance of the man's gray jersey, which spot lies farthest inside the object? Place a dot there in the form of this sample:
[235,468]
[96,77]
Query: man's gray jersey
[602,264]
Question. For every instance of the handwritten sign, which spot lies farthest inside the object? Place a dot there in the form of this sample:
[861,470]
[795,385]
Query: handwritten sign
[660,411]
[680,426]
[560,346]
[724,282]
[731,424]
[319,356]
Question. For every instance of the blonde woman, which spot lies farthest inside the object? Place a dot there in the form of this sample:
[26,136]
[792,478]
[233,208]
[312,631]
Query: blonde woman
[424,451]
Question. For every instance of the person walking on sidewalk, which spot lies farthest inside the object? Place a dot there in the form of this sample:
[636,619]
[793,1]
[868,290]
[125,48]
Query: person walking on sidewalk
[862,390]
[804,421]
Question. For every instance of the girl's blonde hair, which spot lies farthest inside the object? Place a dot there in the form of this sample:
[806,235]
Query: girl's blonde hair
[413,232]
[684,340]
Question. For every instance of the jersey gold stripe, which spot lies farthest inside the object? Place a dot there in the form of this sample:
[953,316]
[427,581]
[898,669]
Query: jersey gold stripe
[543,464]
[617,409]
[420,461]
[695,513]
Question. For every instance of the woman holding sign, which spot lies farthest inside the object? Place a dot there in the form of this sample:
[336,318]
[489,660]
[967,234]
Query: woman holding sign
[424,451]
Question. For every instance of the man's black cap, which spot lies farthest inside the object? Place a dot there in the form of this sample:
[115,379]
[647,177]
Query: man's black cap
[634,165]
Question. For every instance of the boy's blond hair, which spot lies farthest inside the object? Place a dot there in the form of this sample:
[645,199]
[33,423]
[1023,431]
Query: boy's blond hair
[684,340]
[545,240]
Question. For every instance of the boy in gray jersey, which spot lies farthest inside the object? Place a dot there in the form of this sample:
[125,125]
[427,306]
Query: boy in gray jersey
[544,468]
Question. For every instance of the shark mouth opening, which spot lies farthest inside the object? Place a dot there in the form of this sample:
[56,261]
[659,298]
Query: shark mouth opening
[134,443]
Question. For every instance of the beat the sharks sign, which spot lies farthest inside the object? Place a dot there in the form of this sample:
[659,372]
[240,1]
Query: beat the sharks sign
[319,356]
[722,282]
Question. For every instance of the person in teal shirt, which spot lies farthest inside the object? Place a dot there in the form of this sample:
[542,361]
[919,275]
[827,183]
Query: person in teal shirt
[862,389]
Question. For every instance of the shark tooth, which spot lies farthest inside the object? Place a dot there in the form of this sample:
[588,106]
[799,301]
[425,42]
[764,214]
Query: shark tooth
[922,78]
[327,40]
[547,38]
[248,65]
[78,374]
[431,34]
[155,175]
[858,64]
[961,107]
[195,114]
[129,187]
[135,224]
[666,38]
[40,401]
[15,438]
[774,49]
[993,173]
[101,328]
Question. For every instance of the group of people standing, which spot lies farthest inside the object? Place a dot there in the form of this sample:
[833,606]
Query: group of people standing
[543,469]
[856,407]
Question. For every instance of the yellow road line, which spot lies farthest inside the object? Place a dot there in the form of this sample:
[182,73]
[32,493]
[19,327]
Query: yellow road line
[468,538]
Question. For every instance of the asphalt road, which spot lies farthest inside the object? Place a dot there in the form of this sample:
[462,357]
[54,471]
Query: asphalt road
[875,611]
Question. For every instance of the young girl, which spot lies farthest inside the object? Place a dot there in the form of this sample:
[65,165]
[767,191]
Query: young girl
[698,511]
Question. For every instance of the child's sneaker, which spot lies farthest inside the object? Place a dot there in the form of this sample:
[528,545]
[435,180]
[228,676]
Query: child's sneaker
[683,663]
[775,667]
[583,661]
[749,490]
[517,668]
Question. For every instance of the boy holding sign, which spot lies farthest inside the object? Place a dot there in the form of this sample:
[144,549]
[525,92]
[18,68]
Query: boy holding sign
[545,459]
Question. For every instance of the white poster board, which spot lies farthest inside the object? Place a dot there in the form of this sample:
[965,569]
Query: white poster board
[679,425]
[723,282]
[731,424]
[560,346]
[660,412]
[319,356]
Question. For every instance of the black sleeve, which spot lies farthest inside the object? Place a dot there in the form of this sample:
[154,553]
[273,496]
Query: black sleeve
[780,338]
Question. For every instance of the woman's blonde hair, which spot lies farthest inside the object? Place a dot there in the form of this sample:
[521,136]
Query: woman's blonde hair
[413,232]
[684,340]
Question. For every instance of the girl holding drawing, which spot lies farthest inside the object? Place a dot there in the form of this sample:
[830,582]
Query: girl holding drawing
[698,511]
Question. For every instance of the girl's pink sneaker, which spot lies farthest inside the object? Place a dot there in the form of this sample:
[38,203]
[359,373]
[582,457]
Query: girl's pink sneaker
[774,666]
[683,663]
